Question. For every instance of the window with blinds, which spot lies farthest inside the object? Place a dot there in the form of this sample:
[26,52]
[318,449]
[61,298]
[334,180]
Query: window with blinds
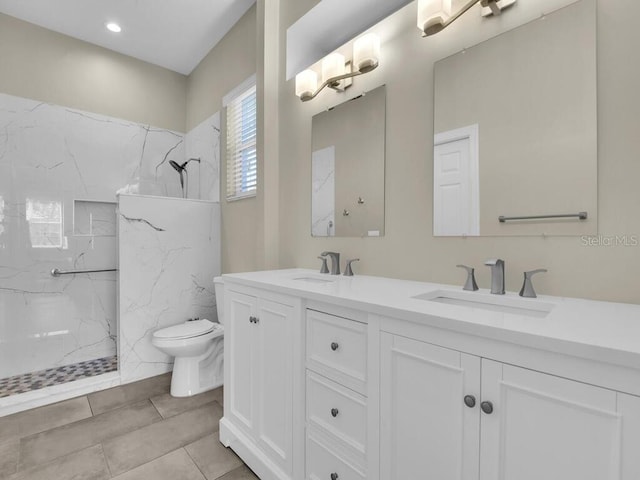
[242,168]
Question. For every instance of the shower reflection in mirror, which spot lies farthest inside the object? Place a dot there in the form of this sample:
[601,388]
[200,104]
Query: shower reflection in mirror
[323,205]
[347,168]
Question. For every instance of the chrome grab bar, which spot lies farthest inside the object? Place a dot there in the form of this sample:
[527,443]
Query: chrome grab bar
[56,272]
[579,215]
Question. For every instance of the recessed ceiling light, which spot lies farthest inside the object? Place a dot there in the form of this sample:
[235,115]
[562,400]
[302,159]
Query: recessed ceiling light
[114,27]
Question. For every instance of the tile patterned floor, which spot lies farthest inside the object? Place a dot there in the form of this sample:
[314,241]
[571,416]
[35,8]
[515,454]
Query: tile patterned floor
[132,432]
[56,376]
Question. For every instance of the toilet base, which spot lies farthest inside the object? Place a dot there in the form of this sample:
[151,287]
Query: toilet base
[194,375]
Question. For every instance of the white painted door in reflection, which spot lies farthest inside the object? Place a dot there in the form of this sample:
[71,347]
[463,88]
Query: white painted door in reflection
[456,204]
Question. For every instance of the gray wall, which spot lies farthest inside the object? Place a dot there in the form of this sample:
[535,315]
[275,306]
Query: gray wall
[229,63]
[272,230]
[44,65]
[532,92]
[408,249]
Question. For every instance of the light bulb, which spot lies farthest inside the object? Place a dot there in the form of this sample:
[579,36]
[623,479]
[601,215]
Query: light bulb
[113,27]
[366,52]
[332,66]
[306,83]
[432,14]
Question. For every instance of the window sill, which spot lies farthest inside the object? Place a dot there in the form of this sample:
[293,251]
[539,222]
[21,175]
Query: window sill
[244,196]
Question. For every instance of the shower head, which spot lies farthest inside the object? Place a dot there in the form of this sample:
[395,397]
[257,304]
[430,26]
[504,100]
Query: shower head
[181,169]
[175,165]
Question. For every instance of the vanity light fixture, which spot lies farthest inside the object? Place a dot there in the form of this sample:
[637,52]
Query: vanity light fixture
[113,27]
[435,15]
[366,57]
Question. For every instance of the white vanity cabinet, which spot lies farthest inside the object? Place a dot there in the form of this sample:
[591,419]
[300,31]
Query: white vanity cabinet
[450,415]
[259,373]
[334,378]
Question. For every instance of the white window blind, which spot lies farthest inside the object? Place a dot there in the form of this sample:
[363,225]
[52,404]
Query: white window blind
[242,168]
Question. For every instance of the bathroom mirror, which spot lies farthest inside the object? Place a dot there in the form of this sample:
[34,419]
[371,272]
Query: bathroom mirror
[347,168]
[515,131]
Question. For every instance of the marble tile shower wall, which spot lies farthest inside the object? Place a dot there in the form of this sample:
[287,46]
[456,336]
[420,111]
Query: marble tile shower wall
[51,157]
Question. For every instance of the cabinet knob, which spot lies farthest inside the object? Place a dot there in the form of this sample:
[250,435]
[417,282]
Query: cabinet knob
[334,346]
[334,476]
[470,401]
[334,412]
[487,407]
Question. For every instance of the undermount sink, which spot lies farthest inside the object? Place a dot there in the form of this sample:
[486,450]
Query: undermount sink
[495,303]
[315,279]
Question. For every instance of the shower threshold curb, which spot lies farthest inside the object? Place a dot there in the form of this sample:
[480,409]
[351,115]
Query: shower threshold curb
[57,393]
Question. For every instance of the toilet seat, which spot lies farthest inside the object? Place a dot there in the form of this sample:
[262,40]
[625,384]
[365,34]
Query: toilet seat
[192,329]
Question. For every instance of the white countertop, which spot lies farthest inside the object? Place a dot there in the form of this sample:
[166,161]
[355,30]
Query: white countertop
[602,331]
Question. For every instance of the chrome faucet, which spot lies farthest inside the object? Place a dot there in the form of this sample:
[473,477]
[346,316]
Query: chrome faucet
[527,287]
[470,284]
[348,271]
[335,261]
[324,268]
[497,275]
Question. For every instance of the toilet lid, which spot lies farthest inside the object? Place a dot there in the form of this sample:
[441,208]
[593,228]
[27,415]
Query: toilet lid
[190,329]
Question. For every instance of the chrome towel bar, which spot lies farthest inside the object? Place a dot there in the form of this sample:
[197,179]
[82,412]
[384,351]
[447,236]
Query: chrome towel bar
[579,215]
[56,272]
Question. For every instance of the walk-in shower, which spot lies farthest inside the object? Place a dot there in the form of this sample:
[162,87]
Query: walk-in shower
[59,172]
[58,315]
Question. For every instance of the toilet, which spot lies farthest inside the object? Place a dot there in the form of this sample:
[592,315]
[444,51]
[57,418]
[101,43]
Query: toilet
[198,348]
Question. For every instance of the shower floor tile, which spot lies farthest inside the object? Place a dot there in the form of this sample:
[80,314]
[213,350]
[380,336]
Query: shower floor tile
[28,382]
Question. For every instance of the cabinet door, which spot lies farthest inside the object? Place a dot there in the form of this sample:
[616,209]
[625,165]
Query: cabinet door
[274,376]
[546,427]
[426,430]
[239,343]
[629,408]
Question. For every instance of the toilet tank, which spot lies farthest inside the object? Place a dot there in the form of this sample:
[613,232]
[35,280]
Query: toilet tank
[218,284]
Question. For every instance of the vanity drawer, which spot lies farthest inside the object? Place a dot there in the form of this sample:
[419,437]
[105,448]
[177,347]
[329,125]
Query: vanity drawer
[337,348]
[322,463]
[337,410]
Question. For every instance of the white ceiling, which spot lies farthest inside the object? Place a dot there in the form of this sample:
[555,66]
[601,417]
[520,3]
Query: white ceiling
[175,34]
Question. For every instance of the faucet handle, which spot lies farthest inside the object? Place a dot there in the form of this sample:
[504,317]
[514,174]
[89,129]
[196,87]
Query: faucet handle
[348,272]
[527,287]
[324,268]
[470,284]
[494,261]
